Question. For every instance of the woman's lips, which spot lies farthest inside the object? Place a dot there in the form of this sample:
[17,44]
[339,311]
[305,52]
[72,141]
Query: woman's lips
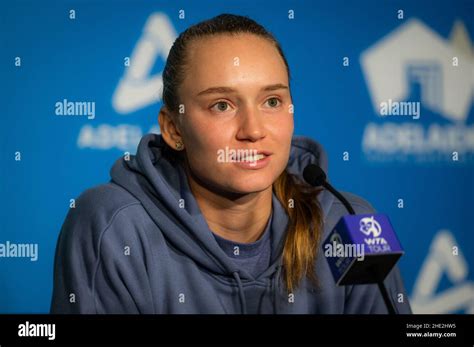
[254,162]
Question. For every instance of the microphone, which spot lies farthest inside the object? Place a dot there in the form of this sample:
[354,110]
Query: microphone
[361,249]
[316,177]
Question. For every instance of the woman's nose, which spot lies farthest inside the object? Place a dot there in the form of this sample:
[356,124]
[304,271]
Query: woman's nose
[251,126]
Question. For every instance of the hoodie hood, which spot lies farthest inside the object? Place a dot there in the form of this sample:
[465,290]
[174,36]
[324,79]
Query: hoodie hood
[160,183]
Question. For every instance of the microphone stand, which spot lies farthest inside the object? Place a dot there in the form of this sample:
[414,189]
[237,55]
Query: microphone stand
[380,283]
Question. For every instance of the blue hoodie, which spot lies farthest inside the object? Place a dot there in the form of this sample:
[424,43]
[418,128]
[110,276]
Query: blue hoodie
[130,246]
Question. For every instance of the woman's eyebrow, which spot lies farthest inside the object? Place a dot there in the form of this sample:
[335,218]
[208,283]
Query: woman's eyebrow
[222,90]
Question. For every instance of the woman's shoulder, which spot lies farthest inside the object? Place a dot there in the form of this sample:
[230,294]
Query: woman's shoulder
[105,198]
[96,207]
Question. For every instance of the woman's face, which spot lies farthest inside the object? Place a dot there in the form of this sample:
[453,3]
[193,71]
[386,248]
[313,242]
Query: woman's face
[237,102]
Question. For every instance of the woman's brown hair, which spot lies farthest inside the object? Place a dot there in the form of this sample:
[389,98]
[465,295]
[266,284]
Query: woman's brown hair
[299,200]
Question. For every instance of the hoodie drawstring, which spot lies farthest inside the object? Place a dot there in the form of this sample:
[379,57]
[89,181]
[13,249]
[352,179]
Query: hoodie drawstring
[275,280]
[274,288]
[243,304]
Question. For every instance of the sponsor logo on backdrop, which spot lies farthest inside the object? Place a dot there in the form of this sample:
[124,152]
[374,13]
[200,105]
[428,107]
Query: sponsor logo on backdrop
[444,260]
[136,89]
[413,66]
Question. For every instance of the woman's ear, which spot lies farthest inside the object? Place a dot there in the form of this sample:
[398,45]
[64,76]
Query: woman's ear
[169,129]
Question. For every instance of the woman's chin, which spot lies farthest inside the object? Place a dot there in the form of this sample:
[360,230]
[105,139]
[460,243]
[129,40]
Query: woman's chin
[251,187]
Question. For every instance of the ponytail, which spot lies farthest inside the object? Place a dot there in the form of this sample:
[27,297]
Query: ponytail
[304,228]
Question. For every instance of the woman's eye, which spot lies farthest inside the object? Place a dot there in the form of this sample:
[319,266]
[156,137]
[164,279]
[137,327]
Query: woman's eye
[221,106]
[273,102]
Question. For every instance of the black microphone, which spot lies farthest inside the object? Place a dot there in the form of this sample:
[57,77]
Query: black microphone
[316,177]
[353,234]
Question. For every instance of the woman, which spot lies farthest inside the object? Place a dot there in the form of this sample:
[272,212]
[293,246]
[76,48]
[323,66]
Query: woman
[212,215]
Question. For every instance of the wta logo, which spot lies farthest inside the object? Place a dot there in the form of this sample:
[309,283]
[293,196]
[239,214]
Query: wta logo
[371,228]
[369,225]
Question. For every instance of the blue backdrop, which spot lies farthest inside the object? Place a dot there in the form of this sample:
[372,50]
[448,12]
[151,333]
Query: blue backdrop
[350,61]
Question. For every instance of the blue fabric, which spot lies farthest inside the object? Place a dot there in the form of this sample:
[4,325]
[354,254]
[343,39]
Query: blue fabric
[130,246]
[254,257]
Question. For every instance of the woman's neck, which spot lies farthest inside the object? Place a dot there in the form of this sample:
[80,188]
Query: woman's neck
[239,218]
